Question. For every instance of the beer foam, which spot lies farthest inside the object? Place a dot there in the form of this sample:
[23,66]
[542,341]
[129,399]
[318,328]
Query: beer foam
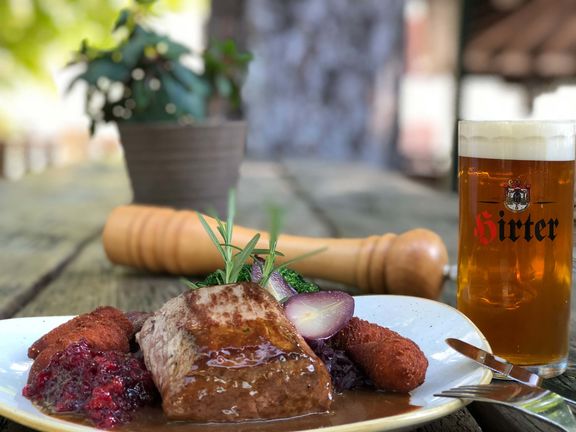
[517,140]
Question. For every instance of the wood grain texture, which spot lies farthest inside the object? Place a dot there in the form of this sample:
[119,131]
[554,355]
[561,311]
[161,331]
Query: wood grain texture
[46,219]
[565,384]
[91,280]
[496,418]
[361,200]
[262,185]
[9,426]
[461,421]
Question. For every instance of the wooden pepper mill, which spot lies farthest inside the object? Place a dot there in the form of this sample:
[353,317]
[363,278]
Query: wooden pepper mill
[167,240]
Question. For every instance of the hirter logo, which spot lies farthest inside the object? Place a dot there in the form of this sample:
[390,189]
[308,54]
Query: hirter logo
[516,196]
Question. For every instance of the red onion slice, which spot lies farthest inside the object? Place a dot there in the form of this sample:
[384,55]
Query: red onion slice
[319,315]
[276,284]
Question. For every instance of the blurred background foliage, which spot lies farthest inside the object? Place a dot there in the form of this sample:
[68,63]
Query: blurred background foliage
[341,79]
[38,36]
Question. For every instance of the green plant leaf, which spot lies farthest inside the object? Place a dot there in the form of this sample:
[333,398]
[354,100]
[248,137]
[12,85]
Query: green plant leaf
[235,97]
[244,58]
[190,284]
[261,251]
[150,37]
[222,229]
[274,231]
[170,49]
[104,67]
[83,47]
[211,234]
[224,86]
[227,232]
[275,224]
[156,109]
[190,79]
[231,214]
[241,257]
[122,19]
[141,95]
[231,246]
[299,258]
[132,52]
[186,102]
[221,276]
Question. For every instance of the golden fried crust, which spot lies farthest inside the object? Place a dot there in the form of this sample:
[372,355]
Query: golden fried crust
[393,362]
[105,329]
[359,331]
[399,367]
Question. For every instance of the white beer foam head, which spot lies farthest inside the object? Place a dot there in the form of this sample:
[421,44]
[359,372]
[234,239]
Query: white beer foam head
[517,140]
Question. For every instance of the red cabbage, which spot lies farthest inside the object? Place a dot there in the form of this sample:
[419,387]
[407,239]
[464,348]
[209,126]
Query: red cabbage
[344,372]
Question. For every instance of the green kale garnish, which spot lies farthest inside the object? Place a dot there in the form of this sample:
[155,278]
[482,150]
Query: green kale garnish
[296,281]
[292,277]
[216,278]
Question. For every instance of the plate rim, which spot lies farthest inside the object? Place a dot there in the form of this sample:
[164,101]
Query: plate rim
[422,415]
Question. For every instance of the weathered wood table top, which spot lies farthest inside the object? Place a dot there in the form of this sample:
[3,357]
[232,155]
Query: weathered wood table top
[52,261]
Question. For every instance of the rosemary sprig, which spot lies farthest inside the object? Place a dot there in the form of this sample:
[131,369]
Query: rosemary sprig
[271,253]
[234,257]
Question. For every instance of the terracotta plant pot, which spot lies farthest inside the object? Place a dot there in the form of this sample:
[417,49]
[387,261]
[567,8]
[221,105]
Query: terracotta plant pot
[189,167]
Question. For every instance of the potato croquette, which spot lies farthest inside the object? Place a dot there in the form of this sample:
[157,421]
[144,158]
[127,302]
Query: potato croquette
[392,362]
[105,329]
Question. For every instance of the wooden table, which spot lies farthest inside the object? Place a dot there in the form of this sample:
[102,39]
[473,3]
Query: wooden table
[52,261]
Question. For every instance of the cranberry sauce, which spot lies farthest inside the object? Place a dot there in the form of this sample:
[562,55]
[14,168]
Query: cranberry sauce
[106,387]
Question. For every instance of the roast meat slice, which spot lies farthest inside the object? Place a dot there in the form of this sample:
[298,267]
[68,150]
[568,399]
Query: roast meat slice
[227,353]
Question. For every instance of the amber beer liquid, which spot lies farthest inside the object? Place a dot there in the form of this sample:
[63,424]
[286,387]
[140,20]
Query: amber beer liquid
[516,183]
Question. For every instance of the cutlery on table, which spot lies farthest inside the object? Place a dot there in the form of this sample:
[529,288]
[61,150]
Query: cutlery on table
[534,401]
[527,395]
[501,366]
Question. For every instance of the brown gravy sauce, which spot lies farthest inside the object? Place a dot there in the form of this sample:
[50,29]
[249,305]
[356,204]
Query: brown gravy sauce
[349,407]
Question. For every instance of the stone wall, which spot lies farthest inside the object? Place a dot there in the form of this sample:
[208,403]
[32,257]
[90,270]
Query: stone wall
[324,81]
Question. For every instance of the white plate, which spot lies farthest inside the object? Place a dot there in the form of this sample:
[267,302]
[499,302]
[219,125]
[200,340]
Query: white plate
[426,322]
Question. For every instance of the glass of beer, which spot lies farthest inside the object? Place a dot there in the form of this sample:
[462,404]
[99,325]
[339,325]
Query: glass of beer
[516,186]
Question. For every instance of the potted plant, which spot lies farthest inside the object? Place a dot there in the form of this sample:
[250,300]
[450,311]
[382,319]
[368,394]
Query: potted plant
[181,130]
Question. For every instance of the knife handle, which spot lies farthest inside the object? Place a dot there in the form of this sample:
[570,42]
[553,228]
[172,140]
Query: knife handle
[174,241]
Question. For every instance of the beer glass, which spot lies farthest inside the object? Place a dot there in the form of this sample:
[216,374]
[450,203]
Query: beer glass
[516,183]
